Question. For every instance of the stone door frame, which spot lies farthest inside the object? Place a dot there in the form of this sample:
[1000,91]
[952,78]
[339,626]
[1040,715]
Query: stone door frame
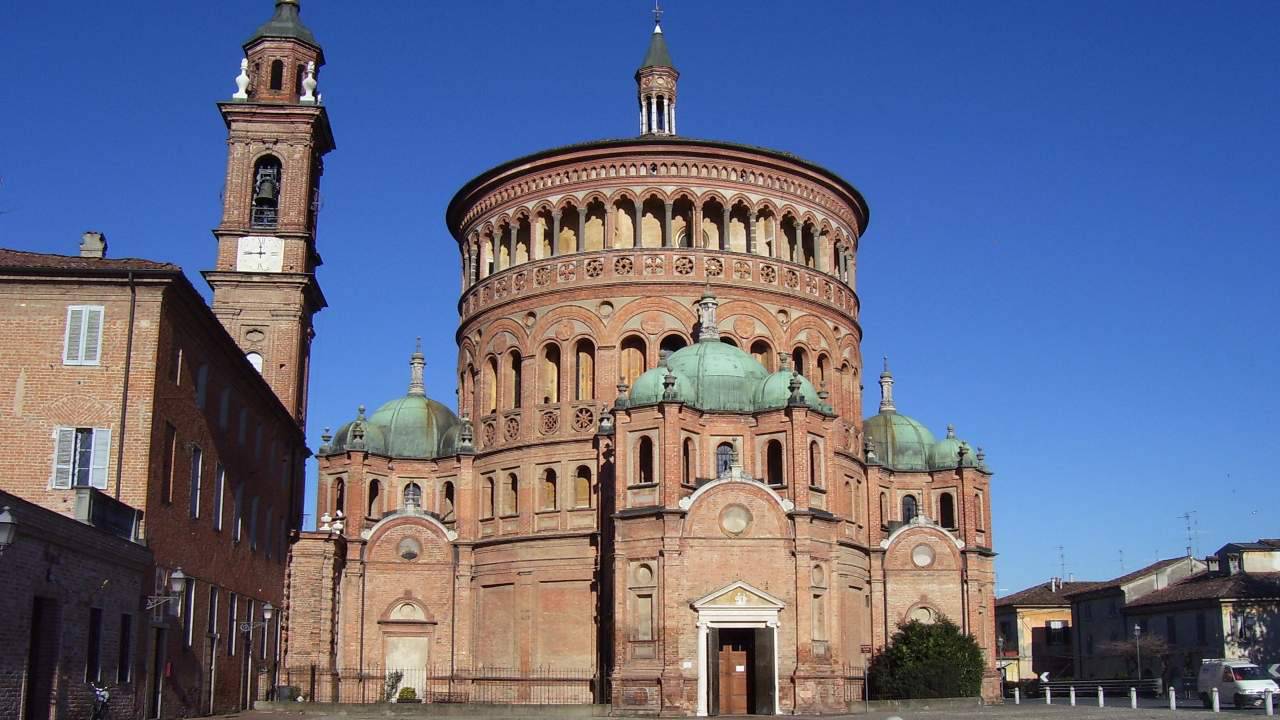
[763,614]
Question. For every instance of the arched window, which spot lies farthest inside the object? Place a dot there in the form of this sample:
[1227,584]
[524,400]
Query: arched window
[375,489]
[633,359]
[774,472]
[797,360]
[585,370]
[671,343]
[277,74]
[686,462]
[266,193]
[300,72]
[728,340]
[489,498]
[255,359]
[447,503]
[815,465]
[512,392]
[724,458]
[823,366]
[884,509]
[491,385]
[909,508]
[549,494]
[511,495]
[412,495]
[645,461]
[340,496]
[979,516]
[763,354]
[582,487]
[550,386]
[947,511]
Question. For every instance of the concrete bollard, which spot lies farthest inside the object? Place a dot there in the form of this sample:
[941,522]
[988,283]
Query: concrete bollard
[1101,702]
[1072,693]
[1268,703]
[1173,699]
[1048,695]
[1216,706]
[1133,698]
[1017,696]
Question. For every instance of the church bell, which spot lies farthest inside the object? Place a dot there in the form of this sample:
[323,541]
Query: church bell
[266,191]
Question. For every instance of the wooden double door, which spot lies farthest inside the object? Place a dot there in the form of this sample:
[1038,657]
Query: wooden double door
[740,668]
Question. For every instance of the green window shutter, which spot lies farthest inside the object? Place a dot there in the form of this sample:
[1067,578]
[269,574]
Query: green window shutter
[92,336]
[101,457]
[64,443]
[71,351]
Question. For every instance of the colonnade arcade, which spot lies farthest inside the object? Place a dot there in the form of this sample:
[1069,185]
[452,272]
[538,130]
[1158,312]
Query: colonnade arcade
[595,223]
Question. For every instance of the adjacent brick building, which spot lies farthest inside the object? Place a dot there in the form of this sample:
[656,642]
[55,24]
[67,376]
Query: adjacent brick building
[1033,631]
[121,383]
[659,490]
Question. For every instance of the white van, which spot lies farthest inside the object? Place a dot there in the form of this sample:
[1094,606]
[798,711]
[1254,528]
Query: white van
[1239,682]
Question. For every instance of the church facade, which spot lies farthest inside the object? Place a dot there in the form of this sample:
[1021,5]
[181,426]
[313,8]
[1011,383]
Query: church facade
[658,489]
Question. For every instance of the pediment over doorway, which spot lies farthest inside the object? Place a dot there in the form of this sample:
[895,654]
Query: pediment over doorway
[737,595]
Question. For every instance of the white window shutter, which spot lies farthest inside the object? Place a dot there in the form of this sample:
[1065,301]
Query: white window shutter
[71,351]
[101,457]
[64,441]
[92,335]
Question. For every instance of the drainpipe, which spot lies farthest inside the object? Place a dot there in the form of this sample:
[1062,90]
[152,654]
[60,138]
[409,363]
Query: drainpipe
[124,391]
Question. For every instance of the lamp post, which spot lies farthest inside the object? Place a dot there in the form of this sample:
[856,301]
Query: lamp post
[246,628]
[177,581]
[1000,666]
[8,528]
[1137,643]
[249,626]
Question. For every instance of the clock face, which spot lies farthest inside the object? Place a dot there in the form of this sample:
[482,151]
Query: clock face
[258,253]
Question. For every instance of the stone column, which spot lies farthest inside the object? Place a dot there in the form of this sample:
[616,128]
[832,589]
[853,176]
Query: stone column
[642,115]
[511,243]
[582,226]
[608,243]
[751,233]
[673,115]
[724,231]
[667,240]
[695,232]
[635,227]
[555,233]
[653,113]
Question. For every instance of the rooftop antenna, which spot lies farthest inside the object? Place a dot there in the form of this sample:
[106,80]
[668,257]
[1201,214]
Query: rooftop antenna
[1062,563]
[1193,532]
[1121,561]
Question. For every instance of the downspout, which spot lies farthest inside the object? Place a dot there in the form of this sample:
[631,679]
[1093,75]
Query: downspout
[453,621]
[364,573]
[124,391]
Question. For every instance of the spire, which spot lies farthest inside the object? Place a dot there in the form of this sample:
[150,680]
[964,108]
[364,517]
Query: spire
[886,388]
[656,84]
[707,329]
[416,364]
[285,23]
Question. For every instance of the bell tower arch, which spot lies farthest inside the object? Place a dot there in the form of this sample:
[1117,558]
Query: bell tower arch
[264,286]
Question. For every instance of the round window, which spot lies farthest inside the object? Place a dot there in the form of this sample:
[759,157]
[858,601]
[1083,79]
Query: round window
[409,549]
[922,555]
[735,519]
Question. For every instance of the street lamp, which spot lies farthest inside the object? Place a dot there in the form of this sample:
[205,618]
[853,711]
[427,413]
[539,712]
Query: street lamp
[1137,642]
[8,528]
[177,580]
[250,626]
[1000,666]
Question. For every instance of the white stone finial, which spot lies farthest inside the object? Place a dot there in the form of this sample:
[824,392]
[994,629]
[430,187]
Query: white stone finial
[309,84]
[886,389]
[242,81]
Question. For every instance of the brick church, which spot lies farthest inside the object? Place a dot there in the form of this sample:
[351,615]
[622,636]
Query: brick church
[658,489]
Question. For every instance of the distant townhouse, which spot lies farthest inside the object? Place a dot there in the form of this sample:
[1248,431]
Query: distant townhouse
[1033,631]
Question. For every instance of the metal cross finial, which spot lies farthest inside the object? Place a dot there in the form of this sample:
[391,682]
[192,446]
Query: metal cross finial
[657,13]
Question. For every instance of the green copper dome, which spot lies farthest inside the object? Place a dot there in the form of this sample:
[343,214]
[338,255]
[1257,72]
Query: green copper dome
[775,391]
[412,426]
[710,375]
[898,441]
[945,454]
[286,24]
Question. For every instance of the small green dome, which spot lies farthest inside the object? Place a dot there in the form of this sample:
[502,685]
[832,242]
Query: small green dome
[945,454]
[898,441]
[710,375]
[774,392]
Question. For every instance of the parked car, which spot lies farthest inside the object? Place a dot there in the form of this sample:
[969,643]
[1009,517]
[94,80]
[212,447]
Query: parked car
[1244,683]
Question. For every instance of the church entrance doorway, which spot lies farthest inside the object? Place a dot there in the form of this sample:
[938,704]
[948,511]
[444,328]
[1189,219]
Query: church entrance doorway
[737,649]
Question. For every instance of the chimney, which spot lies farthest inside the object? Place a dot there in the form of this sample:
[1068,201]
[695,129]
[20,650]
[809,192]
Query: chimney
[93,245]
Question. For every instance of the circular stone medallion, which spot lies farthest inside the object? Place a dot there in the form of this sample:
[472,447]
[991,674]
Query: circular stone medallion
[922,555]
[735,519]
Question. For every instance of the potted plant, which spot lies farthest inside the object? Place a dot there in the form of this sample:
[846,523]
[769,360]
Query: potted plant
[407,695]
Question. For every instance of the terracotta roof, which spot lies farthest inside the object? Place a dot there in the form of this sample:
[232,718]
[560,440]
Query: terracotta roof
[1041,595]
[1115,583]
[1208,586]
[19,260]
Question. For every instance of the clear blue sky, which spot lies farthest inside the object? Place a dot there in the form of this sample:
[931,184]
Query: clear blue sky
[1075,205]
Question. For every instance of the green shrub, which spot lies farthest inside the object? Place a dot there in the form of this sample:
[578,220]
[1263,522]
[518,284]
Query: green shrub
[927,661]
[407,693]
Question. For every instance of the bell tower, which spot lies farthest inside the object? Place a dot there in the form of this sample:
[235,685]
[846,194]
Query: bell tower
[264,285]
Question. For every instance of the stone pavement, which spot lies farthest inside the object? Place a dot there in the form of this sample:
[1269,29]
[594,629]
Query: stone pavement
[1028,711]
